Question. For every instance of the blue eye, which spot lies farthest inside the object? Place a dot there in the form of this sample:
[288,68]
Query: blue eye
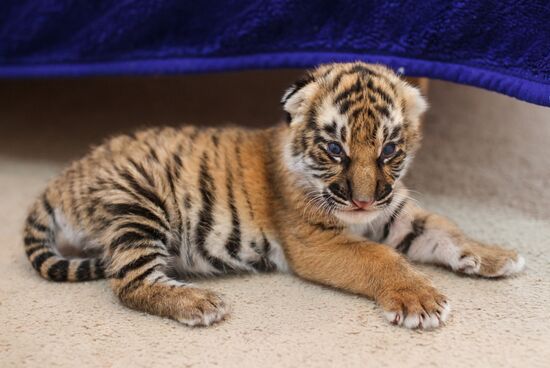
[388,150]
[334,149]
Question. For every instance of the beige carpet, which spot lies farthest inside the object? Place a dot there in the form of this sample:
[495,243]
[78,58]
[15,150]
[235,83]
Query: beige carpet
[485,163]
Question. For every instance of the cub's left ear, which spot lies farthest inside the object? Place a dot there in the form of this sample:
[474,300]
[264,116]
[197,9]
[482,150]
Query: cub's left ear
[415,103]
[295,98]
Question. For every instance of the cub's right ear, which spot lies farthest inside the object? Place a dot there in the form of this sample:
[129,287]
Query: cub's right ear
[294,97]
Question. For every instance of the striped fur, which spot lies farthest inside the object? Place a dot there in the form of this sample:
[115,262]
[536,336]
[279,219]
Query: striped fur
[149,210]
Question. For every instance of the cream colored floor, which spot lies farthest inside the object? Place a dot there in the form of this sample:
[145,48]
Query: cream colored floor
[485,163]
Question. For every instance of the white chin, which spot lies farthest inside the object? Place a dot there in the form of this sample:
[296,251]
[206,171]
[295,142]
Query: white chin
[356,217]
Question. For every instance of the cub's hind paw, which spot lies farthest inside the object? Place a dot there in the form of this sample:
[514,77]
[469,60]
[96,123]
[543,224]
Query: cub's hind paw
[201,308]
[489,261]
[421,307]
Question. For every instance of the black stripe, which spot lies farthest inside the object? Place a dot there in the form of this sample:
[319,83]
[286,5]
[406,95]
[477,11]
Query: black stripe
[220,264]
[263,264]
[317,139]
[298,85]
[170,177]
[372,135]
[240,175]
[344,107]
[329,197]
[355,114]
[385,132]
[204,226]
[146,193]
[215,139]
[370,113]
[266,245]
[356,87]
[194,134]
[330,129]
[59,270]
[417,230]
[394,215]
[99,270]
[206,188]
[387,99]
[288,117]
[382,110]
[121,209]
[152,153]
[312,120]
[91,207]
[40,259]
[338,191]
[395,132]
[122,188]
[30,250]
[83,271]
[130,238]
[150,232]
[364,71]
[325,227]
[386,201]
[399,155]
[383,192]
[178,161]
[157,279]
[135,264]
[233,244]
[33,223]
[143,172]
[47,206]
[32,240]
[187,201]
[343,134]
[174,248]
[325,176]
[135,282]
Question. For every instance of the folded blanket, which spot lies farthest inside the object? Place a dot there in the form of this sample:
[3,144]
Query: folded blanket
[500,45]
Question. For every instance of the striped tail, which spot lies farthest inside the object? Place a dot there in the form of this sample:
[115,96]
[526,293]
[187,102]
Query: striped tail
[42,252]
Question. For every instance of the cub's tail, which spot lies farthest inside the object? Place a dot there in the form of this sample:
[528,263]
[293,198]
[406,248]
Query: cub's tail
[40,246]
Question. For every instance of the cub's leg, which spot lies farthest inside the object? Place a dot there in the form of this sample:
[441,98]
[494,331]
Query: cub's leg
[374,270]
[137,272]
[430,238]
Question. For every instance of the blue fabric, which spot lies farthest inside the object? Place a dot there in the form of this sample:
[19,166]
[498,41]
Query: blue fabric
[501,45]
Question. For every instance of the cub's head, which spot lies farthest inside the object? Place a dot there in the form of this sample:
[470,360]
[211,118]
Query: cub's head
[354,129]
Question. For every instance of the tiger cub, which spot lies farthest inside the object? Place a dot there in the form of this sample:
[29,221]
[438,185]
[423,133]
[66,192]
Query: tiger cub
[319,196]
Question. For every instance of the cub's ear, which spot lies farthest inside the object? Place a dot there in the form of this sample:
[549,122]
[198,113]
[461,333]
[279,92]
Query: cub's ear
[294,98]
[415,103]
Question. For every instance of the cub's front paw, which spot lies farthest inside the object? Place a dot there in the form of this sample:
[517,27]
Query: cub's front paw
[488,261]
[419,305]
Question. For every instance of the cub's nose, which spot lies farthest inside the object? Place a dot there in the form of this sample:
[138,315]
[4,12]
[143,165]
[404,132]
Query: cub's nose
[362,204]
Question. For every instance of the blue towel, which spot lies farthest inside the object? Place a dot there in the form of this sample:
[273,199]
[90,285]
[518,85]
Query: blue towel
[501,45]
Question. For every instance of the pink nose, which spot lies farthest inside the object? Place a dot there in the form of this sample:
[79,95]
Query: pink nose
[362,204]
